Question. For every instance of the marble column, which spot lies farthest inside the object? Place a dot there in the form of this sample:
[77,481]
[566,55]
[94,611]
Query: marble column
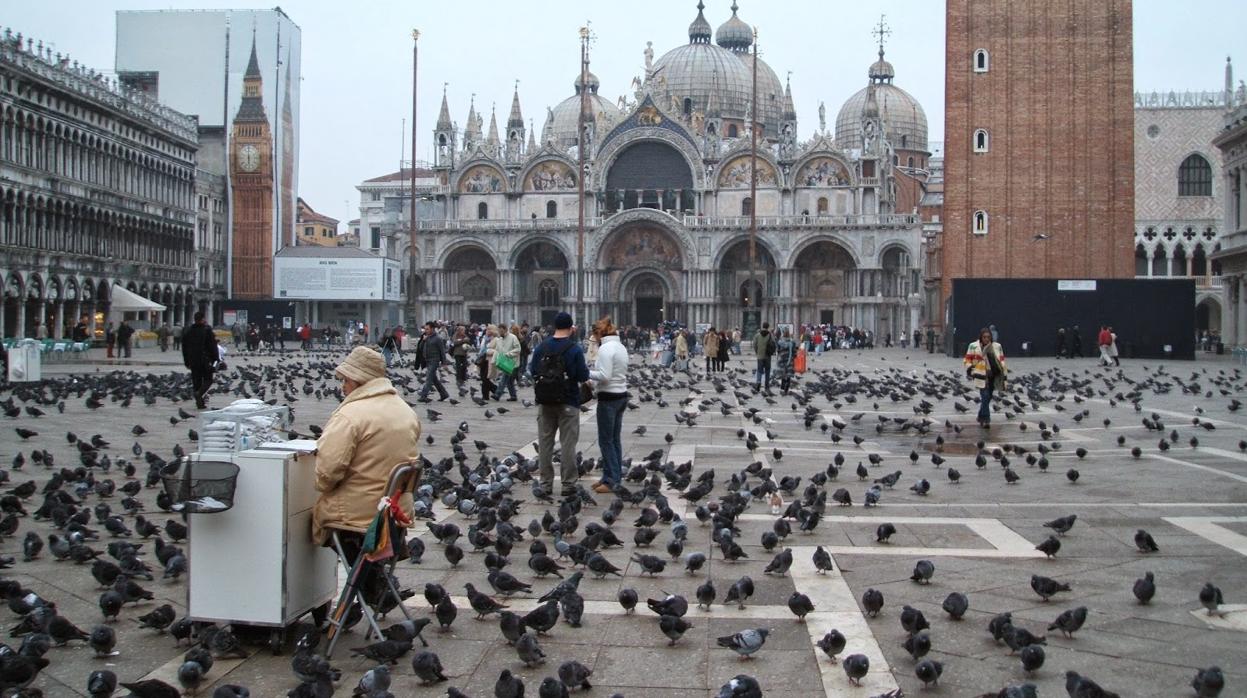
[58,321]
[20,331]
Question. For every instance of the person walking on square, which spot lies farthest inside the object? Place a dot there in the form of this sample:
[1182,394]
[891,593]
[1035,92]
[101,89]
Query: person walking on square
[200,355]
[110,339]
[763,349]
[163,334]
[1060,343]
[1104,340]
[459,351]
[434,353]
[484,365]
[1112,346]
[558,368]
[237,331]
[506,357]
[785,356]
[710,346]
[681,350]
[124,335]
[985,365]
[725,343]
[1075,343]
[610,376]
[389,345]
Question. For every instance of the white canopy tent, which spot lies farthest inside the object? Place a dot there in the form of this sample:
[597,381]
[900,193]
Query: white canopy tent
[123,300]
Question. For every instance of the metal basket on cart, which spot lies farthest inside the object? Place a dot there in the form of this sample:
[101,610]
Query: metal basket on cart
[200,486]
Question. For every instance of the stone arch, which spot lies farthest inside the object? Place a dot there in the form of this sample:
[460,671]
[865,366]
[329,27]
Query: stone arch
[733,171]
[631,219]
[765,248]
[475,177]
[531,242]
[836,239]
[640,243]
[893,247]
[462,244]
[543,162]
[1208,313]
[646,295]
[614,147]
[799,167]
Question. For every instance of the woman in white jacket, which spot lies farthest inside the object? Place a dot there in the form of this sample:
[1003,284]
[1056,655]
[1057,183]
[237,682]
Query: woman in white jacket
[610,376]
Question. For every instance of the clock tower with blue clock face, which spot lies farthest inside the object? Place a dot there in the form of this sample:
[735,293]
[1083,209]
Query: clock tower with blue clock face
[251,182]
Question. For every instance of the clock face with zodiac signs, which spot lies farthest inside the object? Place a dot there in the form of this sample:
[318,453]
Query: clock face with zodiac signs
[249,158]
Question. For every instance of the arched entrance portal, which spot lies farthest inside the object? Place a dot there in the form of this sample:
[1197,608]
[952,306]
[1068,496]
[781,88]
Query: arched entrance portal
[746,290]
[822,283]
[643,261]
[1208,316]
[648,294]
[541,280]
[473,272]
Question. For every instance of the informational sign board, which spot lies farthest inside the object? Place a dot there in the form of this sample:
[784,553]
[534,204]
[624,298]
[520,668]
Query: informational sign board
[1075,285]
[330,278]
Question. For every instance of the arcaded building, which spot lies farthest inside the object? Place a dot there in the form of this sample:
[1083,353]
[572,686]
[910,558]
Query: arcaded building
[667,180]
[98,188]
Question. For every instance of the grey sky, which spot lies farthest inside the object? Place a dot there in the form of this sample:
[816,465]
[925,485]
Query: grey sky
[357,59]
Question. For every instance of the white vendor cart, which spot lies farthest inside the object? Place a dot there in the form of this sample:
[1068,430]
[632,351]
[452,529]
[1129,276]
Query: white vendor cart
[254,563]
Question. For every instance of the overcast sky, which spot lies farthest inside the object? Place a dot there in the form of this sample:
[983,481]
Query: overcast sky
[357,59]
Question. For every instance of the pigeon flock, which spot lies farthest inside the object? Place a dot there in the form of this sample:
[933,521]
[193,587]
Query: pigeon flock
[699,540]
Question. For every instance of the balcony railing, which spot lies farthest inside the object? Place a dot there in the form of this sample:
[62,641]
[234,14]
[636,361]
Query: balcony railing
[823,221]
[496,223]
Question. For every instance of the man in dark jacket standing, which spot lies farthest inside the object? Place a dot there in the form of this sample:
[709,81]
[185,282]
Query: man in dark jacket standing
[199,353]
[434,353]
[561,417]
[124,333]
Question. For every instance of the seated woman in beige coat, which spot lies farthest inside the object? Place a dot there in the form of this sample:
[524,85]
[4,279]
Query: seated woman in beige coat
[372,432]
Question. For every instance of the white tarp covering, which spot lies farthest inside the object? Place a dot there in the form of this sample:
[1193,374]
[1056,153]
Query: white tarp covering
[123,300]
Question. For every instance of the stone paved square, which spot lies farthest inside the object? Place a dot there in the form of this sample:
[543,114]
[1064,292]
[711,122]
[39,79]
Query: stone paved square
[980,534]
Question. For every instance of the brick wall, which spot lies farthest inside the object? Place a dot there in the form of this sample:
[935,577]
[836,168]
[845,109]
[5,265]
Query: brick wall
[1058,104]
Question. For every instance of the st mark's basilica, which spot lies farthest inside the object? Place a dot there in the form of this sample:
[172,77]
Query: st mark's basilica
[668,202]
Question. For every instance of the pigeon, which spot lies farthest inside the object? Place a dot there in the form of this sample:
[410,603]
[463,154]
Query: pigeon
[543,617]
[428,668]
[1145,588]
[1210,598]
[508,685]
[955,605]
[1208,683]
[673,627]
[383,652]
[1063,524]
[1144,542]
[912,620]
[1078,686]
[529,650]
[740,686]
[872,601]
[552,688]
[917,645]
[780,564]
[1070,621]
[152,688]
[746,642]
[102,683]
[628,599]
[928,672]
[800,605]
[739,592]
[511,625]
[923,571]
[856,666]
[1047,587]
[822,560]
[1032,658]
[884,532]
[832,643]
[102,640]
[1049,547]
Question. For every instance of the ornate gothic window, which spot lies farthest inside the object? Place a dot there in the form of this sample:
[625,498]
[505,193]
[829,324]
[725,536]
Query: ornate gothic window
[981,60]
[1195,176]
[548,294]
[980,223]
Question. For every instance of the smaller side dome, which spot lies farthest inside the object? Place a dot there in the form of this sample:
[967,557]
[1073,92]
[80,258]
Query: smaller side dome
[699,30]
[734,34]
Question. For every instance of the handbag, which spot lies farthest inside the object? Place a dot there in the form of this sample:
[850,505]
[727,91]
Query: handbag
[505,363]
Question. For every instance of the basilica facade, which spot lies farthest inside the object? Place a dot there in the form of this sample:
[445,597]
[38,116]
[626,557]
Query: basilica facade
[668,205]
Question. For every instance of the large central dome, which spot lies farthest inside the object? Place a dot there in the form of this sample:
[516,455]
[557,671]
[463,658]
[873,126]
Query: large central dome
[700,76]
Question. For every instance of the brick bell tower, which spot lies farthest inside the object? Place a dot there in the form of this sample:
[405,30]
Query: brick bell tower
[251,181]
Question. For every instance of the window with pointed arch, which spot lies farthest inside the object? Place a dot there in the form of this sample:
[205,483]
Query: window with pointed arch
[746,206]
[981,60]
[482,210]
[982,141]
[552,209]
[979,226]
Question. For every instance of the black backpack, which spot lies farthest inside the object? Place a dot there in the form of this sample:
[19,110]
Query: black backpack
[550,385]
